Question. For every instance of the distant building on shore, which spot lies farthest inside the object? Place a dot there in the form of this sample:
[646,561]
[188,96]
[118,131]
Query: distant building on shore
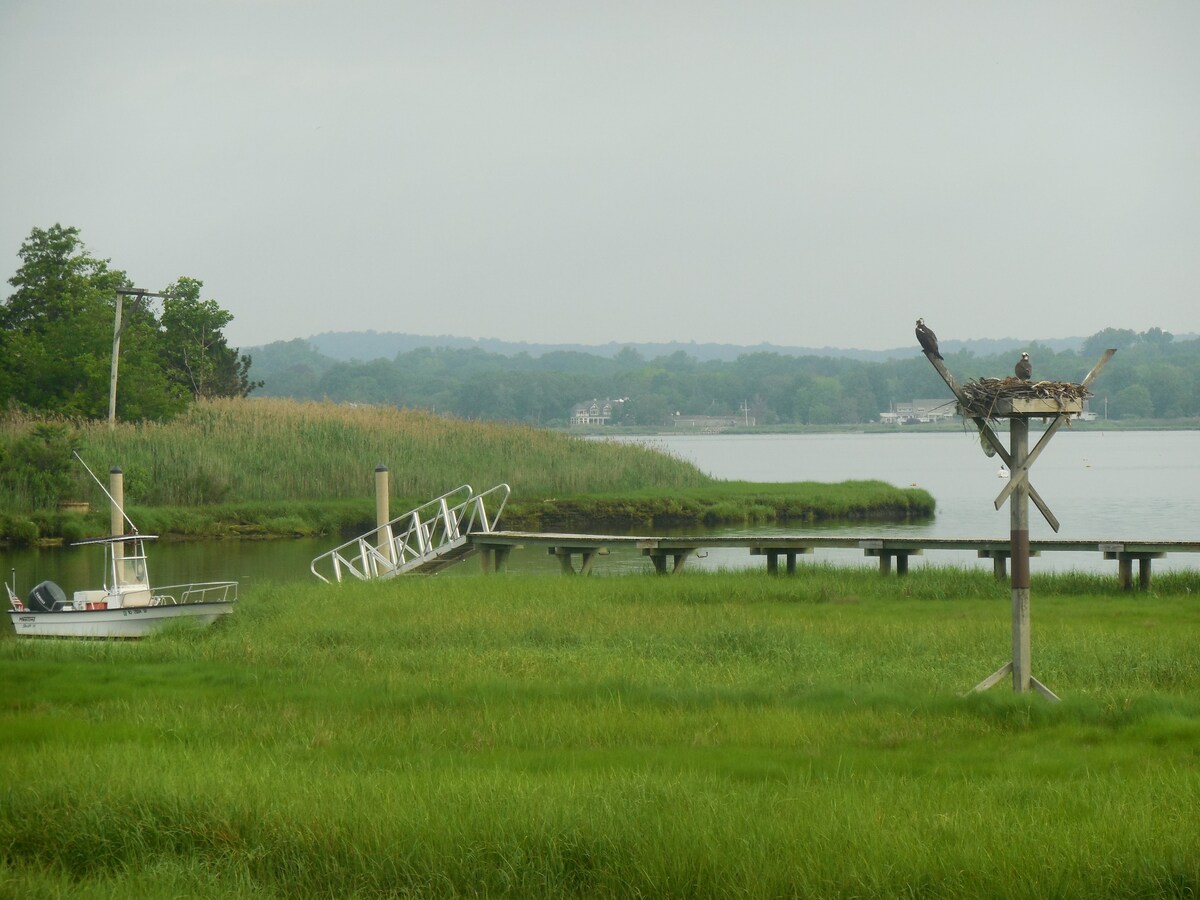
[683,422]
[912,412]
[594,412]
[923,411]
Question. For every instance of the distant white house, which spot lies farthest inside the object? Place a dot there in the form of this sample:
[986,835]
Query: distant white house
[908,412]
[594,412]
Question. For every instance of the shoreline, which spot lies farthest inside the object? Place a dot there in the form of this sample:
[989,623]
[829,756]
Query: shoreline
[865,428]
[730,503]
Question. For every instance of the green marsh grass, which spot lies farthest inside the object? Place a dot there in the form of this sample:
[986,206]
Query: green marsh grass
[703,735]
[274,449]
[276,466]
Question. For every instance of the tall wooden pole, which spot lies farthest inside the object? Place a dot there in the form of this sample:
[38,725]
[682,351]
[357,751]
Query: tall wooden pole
[118,327]
[1019,550]
[1018,493]
[116,355]
[116,490]
[382,516]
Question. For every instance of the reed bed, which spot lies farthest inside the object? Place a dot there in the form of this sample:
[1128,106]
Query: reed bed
[283,466]
[706,735]
[237,451]
[251,450]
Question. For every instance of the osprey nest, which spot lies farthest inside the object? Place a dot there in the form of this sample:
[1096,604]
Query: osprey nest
[982,395]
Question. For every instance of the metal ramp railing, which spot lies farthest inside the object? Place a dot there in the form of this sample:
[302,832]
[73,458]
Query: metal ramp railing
[426,539]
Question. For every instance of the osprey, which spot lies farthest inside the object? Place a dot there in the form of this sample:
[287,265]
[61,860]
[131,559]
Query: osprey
[927,339]
[1024,368]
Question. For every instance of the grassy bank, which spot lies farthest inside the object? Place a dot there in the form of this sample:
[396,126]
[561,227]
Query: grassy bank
[706,735]
[239,467]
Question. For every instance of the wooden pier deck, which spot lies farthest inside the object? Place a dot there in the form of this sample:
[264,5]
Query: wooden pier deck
[669,554]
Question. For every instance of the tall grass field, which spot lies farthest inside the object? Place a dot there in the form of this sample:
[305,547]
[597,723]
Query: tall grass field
[700,735]
[237,450]
[276,466]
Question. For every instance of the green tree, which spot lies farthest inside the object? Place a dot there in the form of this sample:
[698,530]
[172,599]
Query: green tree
[629,358]
[1134,402]
[56,338]
[1169,390]
[39,469]
[779,388]
[58,326]
[292,368]
[1120,338]
[195,349]
[1156,337]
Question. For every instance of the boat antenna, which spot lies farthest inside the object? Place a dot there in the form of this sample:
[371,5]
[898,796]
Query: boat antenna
[100,484]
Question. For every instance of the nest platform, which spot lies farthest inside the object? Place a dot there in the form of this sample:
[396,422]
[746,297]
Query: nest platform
[1004,398]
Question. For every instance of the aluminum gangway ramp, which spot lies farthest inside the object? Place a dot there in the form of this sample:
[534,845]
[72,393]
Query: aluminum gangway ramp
[425,540]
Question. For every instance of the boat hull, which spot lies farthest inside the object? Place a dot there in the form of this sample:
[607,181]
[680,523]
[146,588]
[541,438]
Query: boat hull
[113,623]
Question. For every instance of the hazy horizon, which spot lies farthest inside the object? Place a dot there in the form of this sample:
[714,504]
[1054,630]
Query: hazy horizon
[804,174]
[372,345]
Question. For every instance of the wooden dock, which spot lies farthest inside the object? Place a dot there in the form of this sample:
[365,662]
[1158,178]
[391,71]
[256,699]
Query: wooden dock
[577,553]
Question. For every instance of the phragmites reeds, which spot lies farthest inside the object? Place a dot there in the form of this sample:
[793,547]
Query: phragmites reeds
[981,395]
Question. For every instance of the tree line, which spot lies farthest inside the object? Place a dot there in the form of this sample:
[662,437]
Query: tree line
[1152,376]
[56,343]
[57,329]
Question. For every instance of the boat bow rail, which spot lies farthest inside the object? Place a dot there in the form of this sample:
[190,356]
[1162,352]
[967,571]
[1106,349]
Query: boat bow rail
[206,592]
[426,539]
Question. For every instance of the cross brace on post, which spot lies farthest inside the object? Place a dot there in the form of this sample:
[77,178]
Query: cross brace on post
[1019,475]
[1019,491]
[986,433]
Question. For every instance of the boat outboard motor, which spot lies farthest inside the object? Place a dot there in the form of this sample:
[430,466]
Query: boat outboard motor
[47,597]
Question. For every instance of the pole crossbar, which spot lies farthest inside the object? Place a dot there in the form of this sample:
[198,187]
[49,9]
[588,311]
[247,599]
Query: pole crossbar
[985,430]
[1020,475]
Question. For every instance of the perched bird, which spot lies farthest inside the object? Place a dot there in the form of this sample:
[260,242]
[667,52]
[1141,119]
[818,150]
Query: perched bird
[1024,368]
[927,339]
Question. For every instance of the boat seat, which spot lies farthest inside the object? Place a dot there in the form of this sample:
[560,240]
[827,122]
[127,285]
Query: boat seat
[136,598]
[83,598]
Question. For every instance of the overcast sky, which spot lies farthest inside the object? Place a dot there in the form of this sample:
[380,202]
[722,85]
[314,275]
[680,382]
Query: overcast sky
[799,173]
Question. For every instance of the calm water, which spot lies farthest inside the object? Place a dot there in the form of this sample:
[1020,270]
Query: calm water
[1108,486]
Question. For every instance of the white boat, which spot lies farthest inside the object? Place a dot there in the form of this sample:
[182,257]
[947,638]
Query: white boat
[126,606]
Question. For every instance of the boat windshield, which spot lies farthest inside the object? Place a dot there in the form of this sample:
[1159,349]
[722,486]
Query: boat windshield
[125,561]
[130,568]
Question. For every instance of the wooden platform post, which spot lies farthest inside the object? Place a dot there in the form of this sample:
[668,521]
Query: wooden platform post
[773,561]
[659,558]
[116,517]
[1019,549]
[587,557]
[494,559]
[382,516]
[773,553]
[1017,495]
[1018,492]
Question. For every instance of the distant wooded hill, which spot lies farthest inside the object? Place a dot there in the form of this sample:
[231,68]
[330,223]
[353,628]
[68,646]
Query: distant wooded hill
[1154,375]
[368,345]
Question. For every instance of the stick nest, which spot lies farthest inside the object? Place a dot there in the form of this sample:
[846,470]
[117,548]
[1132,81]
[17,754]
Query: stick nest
[981,395]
